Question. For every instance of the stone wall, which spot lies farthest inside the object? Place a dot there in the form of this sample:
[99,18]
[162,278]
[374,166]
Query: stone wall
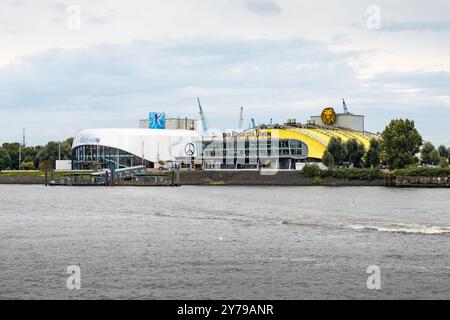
[281,178]
[22,180]
[421,182]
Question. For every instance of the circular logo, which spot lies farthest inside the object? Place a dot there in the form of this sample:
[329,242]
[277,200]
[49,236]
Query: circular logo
[328,116]
[189,149]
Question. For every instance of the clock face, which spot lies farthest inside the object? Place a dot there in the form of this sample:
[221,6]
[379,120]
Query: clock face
[328,116]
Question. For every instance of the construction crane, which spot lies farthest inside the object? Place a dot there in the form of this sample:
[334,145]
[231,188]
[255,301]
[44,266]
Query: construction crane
[202,116]
[345,106]
[241,119]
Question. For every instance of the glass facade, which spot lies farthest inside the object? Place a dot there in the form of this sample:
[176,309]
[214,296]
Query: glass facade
[88,157]
[253,153]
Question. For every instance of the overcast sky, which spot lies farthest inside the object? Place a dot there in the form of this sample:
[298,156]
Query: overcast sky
[71,65]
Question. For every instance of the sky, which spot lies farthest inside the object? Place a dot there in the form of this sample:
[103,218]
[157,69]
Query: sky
[79,64]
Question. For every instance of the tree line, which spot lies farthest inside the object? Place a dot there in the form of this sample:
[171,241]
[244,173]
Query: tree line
[34,158]
[398,147]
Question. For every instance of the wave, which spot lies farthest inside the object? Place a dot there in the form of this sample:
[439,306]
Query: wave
[405,228]
[402,228]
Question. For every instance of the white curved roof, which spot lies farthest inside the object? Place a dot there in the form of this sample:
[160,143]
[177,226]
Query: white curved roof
[154,144]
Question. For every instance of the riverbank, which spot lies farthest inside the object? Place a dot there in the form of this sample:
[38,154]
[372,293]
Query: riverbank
[417,178]
[270,178]
[32,177]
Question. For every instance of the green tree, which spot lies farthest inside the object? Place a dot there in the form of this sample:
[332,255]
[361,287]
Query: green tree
[5,159]
[443,151]
[48,154]
[13,151]
[327,159]
[29,154]
[27,165]
[373,156]
[443,162]
[337,150]
[401,143]
[355,152]
[425,152]
[434,157]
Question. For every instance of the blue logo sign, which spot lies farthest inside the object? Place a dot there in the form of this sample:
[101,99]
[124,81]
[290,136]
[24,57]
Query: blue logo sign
[89,140]
[157,120]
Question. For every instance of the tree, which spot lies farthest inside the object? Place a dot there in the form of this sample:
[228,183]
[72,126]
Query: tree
[425,152]
[401,143]
[5,159]
[327,159]
[443,162]
[50,153]
[434,157]
[443,151]
[27,165]
[337,150]
[40,156]
[13,151]
[373,155]
[355,152]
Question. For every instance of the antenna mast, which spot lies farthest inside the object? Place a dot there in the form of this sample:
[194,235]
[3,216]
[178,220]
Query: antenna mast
[21,145]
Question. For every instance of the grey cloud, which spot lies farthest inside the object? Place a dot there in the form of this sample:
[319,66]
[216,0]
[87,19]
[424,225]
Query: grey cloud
[98,19]
[393,26]
[262,7]
[18,3]
[115,85]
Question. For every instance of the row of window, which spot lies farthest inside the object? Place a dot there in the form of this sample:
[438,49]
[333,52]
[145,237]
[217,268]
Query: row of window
[88,157]
[249,148]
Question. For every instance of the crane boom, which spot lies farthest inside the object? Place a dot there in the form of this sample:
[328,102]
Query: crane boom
[202,116]
[241,119]
[345,106]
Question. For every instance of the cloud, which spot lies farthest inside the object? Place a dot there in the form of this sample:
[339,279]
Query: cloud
[64,91]
[262,7]
[126,60]
[123,83]
[393,26]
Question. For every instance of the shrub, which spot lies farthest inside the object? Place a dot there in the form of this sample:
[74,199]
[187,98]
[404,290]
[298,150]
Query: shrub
[328,159]
[423,172]
[443,162]
[311,171]
[354,174]
[27,165]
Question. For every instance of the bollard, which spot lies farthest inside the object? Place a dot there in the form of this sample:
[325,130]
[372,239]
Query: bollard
[113,176]
[178,177]
[52,177]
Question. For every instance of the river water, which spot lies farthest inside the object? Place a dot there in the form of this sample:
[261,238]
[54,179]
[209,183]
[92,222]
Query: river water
[224,242]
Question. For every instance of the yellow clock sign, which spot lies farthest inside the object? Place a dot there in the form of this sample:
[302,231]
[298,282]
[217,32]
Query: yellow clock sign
[328,116]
